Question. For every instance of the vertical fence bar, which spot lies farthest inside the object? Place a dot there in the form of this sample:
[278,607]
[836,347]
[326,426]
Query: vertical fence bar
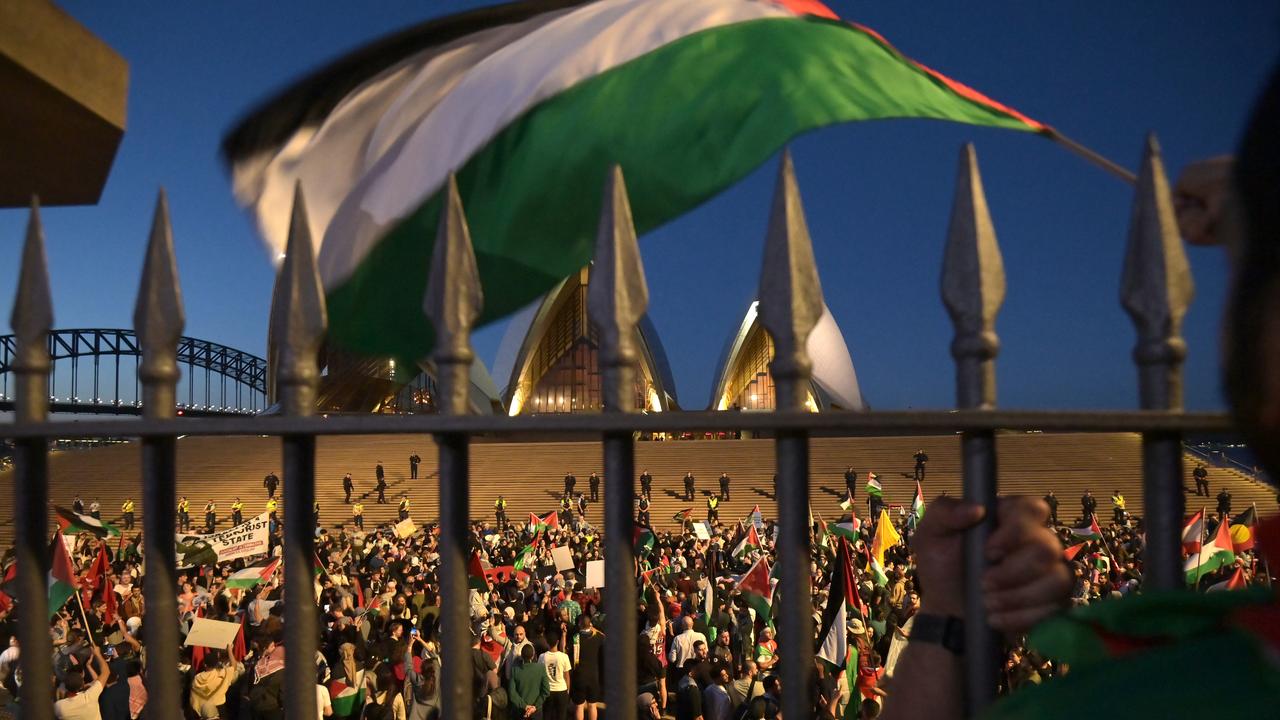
[973,289]
[453,301]
[31,320]
[617,298]
[790,306]
[1155,289]
[158,321]
[297,328]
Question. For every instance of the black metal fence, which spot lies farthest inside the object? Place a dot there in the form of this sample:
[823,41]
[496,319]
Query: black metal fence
[1156,290]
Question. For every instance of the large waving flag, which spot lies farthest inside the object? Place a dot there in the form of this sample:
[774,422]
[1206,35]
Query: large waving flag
[253,575]
[62,576]
[1092,532]
[542,523]
[530,103]
[833,637]
[886,537]
[757,589]
[1242,529]
[1215,554]
[1193,533]
[71,523]
[750,541]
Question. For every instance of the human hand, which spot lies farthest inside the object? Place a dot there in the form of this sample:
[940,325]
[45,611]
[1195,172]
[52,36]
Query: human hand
[1199,198]
[1026,578]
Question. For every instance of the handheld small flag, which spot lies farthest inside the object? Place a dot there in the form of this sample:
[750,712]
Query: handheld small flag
[750,541]
[62,576]
[757,589]
[541,523]
[1193,533]
[683,516]
[873,485]
[1217,553]
[476,579]
[1071,552]
[1093,532]
[253,575]
[917,507]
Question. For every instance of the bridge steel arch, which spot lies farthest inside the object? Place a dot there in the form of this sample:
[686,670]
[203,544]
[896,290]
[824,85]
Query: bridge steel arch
[218,380]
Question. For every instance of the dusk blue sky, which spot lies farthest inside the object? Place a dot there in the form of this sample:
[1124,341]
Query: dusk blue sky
[877,195]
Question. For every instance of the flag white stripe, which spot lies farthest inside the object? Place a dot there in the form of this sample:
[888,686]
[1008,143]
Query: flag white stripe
[506,84]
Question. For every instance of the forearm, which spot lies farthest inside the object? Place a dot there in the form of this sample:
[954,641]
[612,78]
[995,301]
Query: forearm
[936,684]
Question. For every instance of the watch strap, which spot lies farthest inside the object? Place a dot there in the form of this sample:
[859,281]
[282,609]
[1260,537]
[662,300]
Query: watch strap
[944,630]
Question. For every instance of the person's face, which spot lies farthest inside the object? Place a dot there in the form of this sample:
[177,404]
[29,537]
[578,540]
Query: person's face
[520,633]
[701,651]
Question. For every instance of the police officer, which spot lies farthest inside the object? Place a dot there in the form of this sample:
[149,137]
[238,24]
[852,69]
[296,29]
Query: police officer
[582,507]
[642,515]
[357,514]
[569,482]
[210,516]
[347,487]
[566,510]
[688,485]
[95,510]
[851,483]
[1088,504]
[404,507]
[413,466]
[382,487]
[127,509]
[500,513]
[237,511]
[593,483]
[1202,480]
[921,458]
[713,509]
[184,514]
[271,482]
[1224,502]
[1117,508]
[1052,501]
[272,506]
[77,505]
[724,486]
[646,484]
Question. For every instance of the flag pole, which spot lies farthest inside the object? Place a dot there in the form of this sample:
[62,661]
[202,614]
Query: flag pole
[83,616]
[1204,533]
[1094,157]
[1266,568]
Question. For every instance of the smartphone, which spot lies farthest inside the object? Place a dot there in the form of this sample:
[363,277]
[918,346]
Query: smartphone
[413,631]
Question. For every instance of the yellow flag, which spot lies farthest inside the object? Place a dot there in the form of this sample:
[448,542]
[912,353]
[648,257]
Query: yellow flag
[886,537]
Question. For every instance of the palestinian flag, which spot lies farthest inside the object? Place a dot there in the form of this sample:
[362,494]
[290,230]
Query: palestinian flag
[683,516]
[1235,582]
[750,541]
[1093,532]
[757,589]
[522,558]
[542,523]
[755,517]
[253,575]
[345,699]
[873,485]
[833,637]
[1070,553]
[1193,533]
[71,523]
[62,576]
[687,96]
[476,579]
[1241,530]
[886,537]
[1217,553]
[642,539]
[848,531]
[317,567]
[917,506]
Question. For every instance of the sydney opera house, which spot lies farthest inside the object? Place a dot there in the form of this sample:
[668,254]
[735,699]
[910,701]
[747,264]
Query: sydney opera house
[548,363]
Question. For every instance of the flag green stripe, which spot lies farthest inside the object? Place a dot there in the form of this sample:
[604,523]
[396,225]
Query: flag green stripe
[684,121]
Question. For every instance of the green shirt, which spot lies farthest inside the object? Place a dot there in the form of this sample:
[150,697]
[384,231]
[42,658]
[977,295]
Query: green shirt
[529,686]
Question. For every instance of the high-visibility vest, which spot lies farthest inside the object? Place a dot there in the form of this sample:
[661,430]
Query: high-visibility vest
[357,509]
[404,504]
[210,507]
[271,506]
[1118,501]
[712,502]
[127,506]
[500,503]
[183,506]
[237,506]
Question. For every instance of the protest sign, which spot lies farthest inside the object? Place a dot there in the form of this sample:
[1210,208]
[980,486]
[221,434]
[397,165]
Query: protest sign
[244,540]
[563,557]
[595,573]
[212,633]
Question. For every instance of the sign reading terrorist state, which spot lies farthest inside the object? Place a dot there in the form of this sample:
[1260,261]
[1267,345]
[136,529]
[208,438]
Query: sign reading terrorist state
[244,540]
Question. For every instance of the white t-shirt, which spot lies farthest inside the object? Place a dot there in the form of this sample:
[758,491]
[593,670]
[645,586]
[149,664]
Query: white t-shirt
[557,665]
[322,701]
[82,706]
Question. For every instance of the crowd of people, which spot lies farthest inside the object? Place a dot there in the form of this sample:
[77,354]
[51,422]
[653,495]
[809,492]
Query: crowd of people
[707,646]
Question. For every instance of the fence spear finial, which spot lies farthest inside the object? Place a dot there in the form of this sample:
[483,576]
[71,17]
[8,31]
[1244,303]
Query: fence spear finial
[618,295]
[973,286]
[790,293]
[31,320]
[1156,287]
[158,317]
[299,318]
[453,302]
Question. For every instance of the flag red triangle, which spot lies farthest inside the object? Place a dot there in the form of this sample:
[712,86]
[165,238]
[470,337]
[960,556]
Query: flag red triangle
[1071,552]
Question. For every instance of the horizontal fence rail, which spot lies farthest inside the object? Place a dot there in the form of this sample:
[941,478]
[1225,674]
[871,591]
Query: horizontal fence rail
[1156,290]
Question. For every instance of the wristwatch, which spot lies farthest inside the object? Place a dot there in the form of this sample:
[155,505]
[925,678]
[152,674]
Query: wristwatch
[944,630]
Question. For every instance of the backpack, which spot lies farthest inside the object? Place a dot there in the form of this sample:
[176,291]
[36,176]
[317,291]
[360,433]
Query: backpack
[375,711]
[267,695]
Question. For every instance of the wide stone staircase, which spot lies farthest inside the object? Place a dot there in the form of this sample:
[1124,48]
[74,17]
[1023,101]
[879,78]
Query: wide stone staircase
[530,474]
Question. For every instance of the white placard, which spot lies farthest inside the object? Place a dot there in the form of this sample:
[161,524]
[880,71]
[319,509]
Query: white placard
[700,530]
[244,540]
[212,633]
[563,557]
[595,573]
[406,528]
